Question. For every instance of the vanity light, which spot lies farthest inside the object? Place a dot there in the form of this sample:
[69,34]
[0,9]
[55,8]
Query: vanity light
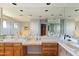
[14,3]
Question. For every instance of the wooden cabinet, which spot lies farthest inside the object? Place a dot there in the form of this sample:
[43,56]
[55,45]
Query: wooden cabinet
[1,49]
[10,49]
[17,49]
[24,50]
[50,49]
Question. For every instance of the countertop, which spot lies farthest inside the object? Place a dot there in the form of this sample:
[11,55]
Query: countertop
[64,44]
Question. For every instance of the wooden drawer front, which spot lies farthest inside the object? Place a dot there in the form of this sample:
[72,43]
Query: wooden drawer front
[17,51]
[50,49]
[17,44]
[8,51]
[49,45]
[8,44]
[50,54]
[1,44]
[17,48]
[1,51]
[53,48]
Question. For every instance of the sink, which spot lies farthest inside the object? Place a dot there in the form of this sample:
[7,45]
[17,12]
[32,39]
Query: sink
[73,48]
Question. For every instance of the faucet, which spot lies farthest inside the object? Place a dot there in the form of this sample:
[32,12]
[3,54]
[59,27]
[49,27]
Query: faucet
[66,36]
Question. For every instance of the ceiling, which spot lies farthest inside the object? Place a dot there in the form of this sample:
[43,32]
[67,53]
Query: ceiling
[37,11]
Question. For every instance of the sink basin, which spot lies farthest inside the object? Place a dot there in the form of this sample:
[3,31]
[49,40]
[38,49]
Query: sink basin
[73,48]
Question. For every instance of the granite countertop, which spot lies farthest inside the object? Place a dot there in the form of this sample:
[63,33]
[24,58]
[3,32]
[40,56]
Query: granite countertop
[39,42]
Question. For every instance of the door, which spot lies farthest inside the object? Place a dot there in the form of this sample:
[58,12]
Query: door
[43,29]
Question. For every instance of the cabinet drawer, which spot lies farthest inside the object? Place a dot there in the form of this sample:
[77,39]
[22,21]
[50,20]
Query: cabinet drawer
[17,52]
[17,44]
[51,53]
[8,48]
[1,44]
[53,48]
[2,54]
[1,49]
[8,44]
[50,49]
[49,45]
[17,48]
[8,51]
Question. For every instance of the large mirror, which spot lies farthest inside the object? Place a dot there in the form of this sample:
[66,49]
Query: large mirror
[54,27]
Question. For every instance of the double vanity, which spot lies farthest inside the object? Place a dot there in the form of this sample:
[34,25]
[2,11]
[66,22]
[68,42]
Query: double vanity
[48,47]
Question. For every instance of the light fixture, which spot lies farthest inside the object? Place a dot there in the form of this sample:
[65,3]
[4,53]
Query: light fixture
[21,10]
[14,3]
[76,10]
[69,16]
[52,15]
[40,16]
[48,3]
[21,15]
[30,15]
[60,14]
[46,10]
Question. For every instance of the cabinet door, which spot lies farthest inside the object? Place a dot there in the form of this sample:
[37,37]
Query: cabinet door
[24,50]
[1,49]
[17,49]
[50,49]
[8,51]
[43,29]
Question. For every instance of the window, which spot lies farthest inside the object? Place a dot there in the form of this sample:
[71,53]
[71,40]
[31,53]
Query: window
[15,25]
[4,24]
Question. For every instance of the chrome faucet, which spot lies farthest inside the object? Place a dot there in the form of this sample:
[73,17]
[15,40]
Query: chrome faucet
[66,36]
